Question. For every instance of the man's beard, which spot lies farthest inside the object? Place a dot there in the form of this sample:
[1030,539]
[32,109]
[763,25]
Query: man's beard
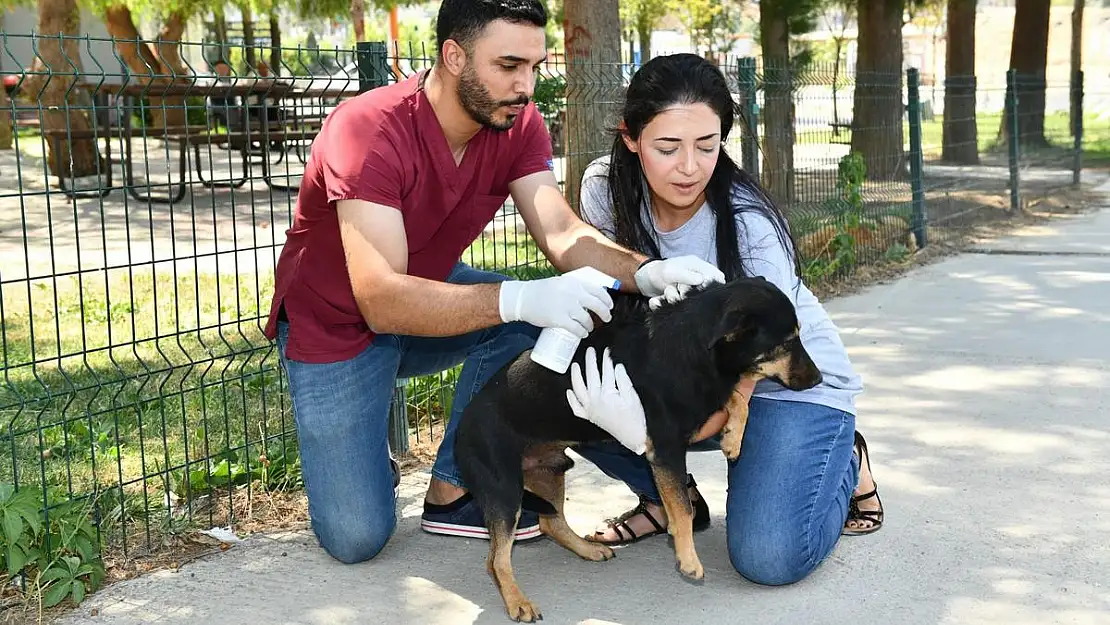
[478,103]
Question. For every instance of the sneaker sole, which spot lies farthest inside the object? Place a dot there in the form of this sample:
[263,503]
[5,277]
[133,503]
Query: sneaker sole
[469,531]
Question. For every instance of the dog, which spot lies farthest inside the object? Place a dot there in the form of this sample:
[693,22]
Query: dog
[685,360]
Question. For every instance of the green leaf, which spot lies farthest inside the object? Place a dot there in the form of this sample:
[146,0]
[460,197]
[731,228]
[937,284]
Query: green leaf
[57,593]
[6,491]
[55,572]
[85,547]
[31,516]
[13,525]
[17,559]
[78,591]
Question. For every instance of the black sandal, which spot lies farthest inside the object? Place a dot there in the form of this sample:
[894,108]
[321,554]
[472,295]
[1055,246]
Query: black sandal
[620,524]
[874,517]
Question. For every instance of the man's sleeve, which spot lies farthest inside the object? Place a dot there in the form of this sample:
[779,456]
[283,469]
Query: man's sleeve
[535,154]
[362,166]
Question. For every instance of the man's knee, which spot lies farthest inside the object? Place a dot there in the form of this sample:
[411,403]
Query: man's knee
[350,539]
[771,559]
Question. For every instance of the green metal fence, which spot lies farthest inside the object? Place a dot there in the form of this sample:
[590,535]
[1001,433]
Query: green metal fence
[143,204]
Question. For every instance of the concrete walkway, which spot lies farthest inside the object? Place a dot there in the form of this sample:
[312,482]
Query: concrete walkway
[987,415]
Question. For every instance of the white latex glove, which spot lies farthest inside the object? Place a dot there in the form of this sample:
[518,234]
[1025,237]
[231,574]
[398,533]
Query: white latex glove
[559,302]
[679,273]
[671,294]
[608,400]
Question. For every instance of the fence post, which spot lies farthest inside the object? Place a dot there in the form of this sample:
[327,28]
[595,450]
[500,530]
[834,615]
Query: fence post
[399,420]
[1077,131]
[917,159]
[1013,128]
[373,66]
[749,143]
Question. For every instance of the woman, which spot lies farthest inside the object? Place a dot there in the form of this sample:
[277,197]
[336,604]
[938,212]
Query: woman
[669,189]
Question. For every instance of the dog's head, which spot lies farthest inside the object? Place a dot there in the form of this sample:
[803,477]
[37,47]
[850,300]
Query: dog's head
[752,329]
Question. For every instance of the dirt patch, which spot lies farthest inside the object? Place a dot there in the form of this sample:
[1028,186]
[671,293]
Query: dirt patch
[972,216]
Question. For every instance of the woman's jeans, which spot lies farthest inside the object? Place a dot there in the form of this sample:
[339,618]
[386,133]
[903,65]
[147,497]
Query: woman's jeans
[788,492]
[341,411]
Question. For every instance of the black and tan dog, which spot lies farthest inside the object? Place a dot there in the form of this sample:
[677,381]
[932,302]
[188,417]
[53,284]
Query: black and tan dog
[685,359]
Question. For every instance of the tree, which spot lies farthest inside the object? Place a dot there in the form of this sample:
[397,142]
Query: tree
[712,24]
[55,73]
[643,16]
[5,102]
[877,122]
[778,21]
[837,14]
[1029,57]
[960,130]
[592,36]
[152,61]
[1076,56]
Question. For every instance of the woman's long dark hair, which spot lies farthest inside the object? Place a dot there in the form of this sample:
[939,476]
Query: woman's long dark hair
[662,82]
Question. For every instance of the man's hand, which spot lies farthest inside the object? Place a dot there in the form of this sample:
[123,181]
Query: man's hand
[668,280]
[560,302]
[608,400]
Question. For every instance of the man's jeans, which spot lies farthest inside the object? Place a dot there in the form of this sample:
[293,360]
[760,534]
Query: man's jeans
[342,413]
[788,492]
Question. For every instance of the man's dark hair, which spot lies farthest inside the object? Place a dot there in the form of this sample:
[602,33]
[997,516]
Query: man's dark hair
[464,20]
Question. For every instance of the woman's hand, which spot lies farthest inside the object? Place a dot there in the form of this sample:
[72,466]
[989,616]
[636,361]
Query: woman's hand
[717,420]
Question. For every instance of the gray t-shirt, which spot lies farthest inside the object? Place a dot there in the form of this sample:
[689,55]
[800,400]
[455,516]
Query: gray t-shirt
[761,254]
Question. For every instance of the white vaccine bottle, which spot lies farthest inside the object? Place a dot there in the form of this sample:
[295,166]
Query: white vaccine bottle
[555,347]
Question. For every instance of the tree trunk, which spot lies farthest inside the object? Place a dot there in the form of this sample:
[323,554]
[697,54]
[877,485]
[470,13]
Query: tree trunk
[248,36]
[778,109]
[1029,56]
[275,44]
[838,43]
[135,53]
[138,56]
[169,45]
[961,133]
[594,83]
[1076,56]
[877,132]
[219,25]
[643,32]
[358,18]
[6,129]
[169,54]
[66,157]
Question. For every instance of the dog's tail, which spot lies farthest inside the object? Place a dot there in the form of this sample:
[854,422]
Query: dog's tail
[534,503]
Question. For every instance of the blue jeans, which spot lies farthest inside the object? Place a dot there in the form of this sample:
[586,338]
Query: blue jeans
[788,493]
[341,410]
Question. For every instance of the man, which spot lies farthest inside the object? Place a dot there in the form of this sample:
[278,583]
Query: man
[369,286]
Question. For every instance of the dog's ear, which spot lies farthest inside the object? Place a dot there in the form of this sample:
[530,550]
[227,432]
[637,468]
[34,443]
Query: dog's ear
[734,324]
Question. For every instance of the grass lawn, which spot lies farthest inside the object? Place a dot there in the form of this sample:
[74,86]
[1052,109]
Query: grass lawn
[1096,138]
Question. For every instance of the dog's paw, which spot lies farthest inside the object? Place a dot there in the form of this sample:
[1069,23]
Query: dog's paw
[597,552]
[524,611]
[731,440]
[691,570]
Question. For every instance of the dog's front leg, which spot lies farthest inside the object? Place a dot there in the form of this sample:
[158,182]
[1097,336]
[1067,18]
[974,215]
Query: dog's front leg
[732,435]
[670,478]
